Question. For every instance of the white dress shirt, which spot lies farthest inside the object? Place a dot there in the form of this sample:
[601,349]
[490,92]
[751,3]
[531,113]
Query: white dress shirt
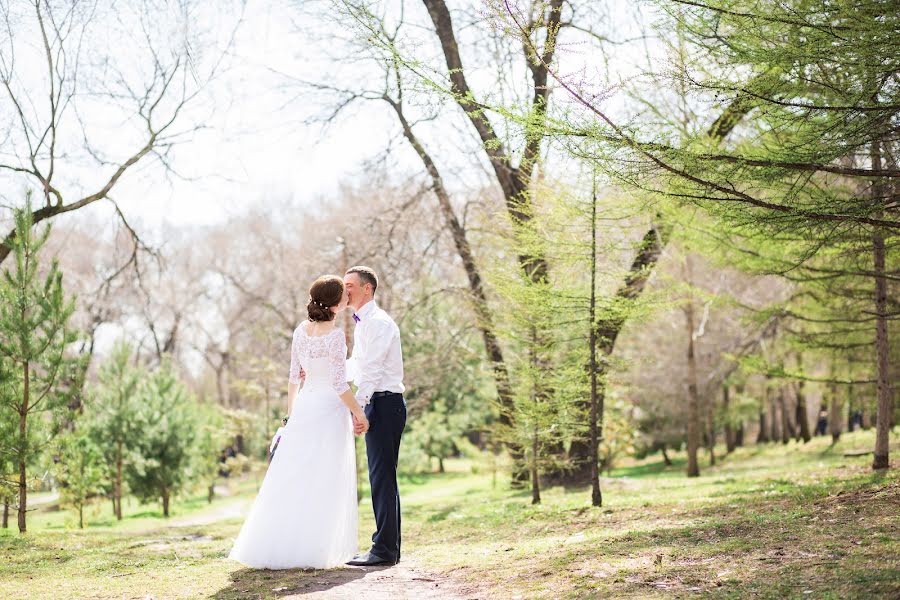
[377,361]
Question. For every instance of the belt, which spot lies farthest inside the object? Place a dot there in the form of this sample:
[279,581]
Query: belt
[380,394]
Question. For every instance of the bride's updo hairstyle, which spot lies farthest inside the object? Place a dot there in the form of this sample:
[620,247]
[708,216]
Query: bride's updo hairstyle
[326,291]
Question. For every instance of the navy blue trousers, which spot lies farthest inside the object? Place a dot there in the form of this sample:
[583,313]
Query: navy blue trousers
[387,418]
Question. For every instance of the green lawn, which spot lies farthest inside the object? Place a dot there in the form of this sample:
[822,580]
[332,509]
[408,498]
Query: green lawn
[800,521]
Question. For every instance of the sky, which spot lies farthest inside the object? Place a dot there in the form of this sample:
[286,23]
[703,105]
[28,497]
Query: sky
[255,144]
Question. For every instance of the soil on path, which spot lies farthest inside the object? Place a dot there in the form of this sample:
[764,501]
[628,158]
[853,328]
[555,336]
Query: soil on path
[404,581]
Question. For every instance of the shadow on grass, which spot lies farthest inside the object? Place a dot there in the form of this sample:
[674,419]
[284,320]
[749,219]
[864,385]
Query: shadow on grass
[817,537]
[263,583]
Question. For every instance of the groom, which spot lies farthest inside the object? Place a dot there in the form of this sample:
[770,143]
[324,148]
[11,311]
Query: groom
[378,375]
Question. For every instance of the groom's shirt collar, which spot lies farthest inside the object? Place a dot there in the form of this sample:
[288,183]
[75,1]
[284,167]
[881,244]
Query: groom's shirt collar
[366,309]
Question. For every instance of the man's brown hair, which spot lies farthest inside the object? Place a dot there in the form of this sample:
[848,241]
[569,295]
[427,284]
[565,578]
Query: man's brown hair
[366,275]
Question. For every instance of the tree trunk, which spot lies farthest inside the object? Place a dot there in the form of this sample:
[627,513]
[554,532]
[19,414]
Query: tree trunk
[652,245]
[834,414]
[693,424]
[210,493]
[535,476]
[665,455]
[23,445]
[786,428]
[441,464]
[484,316]
[607,332]
[117,489]
[775,418]
[763,436]
[802,413]
[81,516]
[711,430]
[165,502]
[739,435]
[596,407]
[5,513]
[726,410]
[885,413]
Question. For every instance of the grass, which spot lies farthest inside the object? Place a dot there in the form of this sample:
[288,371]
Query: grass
[796,521]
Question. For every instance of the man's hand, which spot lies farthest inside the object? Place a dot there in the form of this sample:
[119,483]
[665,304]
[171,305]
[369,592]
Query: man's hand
[302,374]
[360,427]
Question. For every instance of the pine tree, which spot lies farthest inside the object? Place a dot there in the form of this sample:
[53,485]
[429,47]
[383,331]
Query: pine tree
[164,448]
[115,418]
[34,336]
[78,466]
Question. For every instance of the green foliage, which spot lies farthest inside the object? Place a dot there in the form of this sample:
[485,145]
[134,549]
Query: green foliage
[453,390]
[78,470]
[213,435]
[619,433]
[34,338]
[164,446]
[115,423]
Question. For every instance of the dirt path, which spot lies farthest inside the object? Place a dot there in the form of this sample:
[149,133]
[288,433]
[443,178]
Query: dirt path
[405,581]
[224,509]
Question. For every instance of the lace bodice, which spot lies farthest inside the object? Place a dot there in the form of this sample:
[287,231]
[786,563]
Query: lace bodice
[318,354]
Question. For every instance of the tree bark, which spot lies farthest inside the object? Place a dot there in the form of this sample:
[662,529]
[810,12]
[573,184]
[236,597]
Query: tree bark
[884,418]
[693,423]
[596,429]
[165,502]
[711,429]
[729,429]
[5,513]
[834,414]
[775,420]
[802,413]
[484,315]
[607,332]
[665,455]
[763,436]
[23,443]
[785,417]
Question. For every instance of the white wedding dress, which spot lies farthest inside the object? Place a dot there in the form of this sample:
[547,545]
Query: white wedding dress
[305,515]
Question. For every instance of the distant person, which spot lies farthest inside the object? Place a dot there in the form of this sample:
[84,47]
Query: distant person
[822,422]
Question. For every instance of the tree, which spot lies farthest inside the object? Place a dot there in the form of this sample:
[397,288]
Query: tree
[78,468]
[213,436]
[164,450]
[34,337]
[819,111]
[7,446]
[115,423]
[62,63]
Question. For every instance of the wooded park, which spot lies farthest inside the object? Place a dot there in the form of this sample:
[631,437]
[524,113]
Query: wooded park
[644,258]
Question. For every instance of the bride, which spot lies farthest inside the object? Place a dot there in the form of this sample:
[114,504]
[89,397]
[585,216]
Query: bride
[305,514]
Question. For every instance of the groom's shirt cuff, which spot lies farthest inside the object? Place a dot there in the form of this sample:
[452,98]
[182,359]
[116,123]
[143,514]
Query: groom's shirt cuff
[364,394]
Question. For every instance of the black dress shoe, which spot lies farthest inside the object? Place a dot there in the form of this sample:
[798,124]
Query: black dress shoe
[369,560]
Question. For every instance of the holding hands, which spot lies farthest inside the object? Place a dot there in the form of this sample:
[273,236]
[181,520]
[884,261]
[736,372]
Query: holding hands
[360,423]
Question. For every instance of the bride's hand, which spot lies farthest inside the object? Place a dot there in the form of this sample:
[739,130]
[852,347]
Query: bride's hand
[360,424]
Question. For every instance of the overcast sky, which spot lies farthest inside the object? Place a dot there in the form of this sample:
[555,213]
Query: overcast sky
[254,146]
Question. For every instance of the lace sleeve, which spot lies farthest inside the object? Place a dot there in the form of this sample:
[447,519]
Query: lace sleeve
[294,372]
[337,359]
